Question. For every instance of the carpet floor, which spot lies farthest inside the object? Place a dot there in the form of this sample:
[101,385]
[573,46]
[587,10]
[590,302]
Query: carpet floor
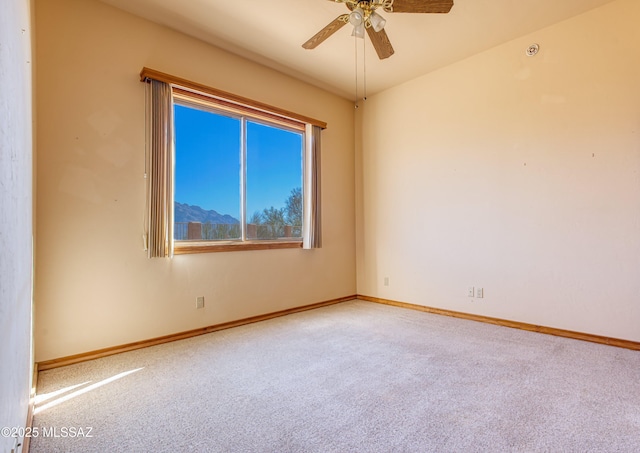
[352,377]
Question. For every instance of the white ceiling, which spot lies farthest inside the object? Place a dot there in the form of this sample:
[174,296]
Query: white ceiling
[271,32]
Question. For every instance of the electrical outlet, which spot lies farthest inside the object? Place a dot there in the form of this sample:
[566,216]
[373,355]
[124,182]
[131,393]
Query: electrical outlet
[470,291]
[200,302]
[386,281]
[479,293]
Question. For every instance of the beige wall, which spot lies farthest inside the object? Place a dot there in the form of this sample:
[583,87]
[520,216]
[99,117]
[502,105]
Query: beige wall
[16,217]
[95,286]
[519,175]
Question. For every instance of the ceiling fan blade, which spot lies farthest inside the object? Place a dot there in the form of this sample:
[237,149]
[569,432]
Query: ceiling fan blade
[381,43]
[422,6]
[327,31]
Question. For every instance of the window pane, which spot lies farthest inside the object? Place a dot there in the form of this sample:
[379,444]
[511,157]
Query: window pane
[207,175]
[274,182]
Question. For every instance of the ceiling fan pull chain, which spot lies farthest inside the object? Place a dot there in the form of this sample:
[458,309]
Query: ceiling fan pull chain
[364,67]
[355,40]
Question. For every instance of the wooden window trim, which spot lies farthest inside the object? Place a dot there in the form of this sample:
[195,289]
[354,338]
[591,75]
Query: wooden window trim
[189,247]
[188,85]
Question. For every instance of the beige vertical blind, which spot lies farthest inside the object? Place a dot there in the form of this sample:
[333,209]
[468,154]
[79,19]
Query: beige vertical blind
[312,225]
[160,164]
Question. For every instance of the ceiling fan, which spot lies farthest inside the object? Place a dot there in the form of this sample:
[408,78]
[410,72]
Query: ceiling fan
[364,16]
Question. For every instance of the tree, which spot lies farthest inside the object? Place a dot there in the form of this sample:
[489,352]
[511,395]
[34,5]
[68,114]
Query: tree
[273,221]
[256,218]
[293,211]
[254,225]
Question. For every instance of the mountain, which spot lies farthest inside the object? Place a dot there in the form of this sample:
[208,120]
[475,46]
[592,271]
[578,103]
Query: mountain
[187,213]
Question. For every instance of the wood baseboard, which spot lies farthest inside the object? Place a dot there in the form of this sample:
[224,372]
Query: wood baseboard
[627,344]
[69,360]
[77,358]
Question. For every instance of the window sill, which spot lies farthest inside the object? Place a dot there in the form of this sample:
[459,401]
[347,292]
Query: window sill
[184,248]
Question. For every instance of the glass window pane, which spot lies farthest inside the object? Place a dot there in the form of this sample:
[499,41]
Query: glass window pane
[207,175]
[274,182]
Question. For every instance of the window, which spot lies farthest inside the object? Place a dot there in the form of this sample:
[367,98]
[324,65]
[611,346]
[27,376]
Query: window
[236,178]
[242,175]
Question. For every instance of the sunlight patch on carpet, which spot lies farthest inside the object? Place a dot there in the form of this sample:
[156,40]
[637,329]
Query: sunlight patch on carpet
[69,396]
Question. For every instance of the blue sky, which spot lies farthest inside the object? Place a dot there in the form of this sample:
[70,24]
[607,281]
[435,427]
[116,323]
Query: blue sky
[207,169]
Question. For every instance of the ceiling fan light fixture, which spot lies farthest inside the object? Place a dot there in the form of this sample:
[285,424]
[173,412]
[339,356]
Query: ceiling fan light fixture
[356,17]
[358,31]
[377,21]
